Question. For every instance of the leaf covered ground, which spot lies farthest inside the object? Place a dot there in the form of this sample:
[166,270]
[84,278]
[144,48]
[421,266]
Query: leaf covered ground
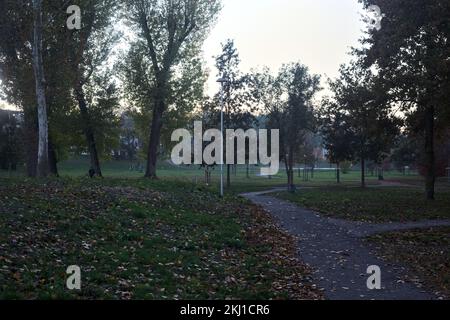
[372,204]
[425,253]
[137,239]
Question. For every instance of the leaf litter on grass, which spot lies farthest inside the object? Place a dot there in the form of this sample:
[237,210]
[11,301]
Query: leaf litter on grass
[139,242]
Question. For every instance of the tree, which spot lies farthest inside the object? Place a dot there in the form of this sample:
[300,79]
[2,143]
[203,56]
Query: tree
[38,67]
[236,94]
[410,53]
[90,49]
[288,100]
[338,136]
[16,67]
[17,72]
[185,92]
[173,30]
[361,101]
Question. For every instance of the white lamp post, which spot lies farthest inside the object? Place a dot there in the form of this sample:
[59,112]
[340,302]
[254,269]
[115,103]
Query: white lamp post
[222,81]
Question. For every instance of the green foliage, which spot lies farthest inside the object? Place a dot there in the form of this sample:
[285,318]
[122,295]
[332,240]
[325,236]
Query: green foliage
[169,36]
[338,137]
[359,112]
[185,93]
[79,55]
[236,93]
[11,136]
[288,101]
[410,53]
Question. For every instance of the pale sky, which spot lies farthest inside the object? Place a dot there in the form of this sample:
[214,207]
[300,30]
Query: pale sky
[318,33]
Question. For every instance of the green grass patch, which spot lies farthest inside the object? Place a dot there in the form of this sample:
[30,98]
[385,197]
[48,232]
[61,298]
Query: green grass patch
[141,239]
[372,204]
[240,182]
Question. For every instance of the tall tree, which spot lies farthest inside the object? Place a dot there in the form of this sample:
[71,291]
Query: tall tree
[185,93]
[360,99]
[411,53]
[173,30]
[38,67]
[338,136]
[236,93]
[298,115]
[90,49]
[288,100]
[61,48]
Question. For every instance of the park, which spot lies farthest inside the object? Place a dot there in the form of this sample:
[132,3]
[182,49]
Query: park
[156,152]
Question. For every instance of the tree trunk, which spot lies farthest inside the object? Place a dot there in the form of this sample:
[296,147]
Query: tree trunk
[88,132]
[52,159]
[338,172]
[291,186]
[38,67]
[207,176]
[380,174]
[429,153]
[248,171]
[363,172]
[155,135]
[289,178]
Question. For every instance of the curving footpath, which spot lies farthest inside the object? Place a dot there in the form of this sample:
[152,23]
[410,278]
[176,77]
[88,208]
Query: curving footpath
[336,250]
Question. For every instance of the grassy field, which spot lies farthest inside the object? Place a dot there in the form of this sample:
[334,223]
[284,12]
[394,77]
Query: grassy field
[425,253]
[372,204]
[240,182]
[174,238]
[140,239]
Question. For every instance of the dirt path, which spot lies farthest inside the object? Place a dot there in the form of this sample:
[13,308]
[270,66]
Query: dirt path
[336,250]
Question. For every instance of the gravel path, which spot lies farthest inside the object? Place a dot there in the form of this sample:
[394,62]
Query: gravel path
[336,250]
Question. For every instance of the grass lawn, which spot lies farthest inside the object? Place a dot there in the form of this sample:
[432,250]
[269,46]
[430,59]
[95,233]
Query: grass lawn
[372,204]
[140,239]
[426,253]
[240,183]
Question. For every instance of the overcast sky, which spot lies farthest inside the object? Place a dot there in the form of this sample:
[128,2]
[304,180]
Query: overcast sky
[318,33]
